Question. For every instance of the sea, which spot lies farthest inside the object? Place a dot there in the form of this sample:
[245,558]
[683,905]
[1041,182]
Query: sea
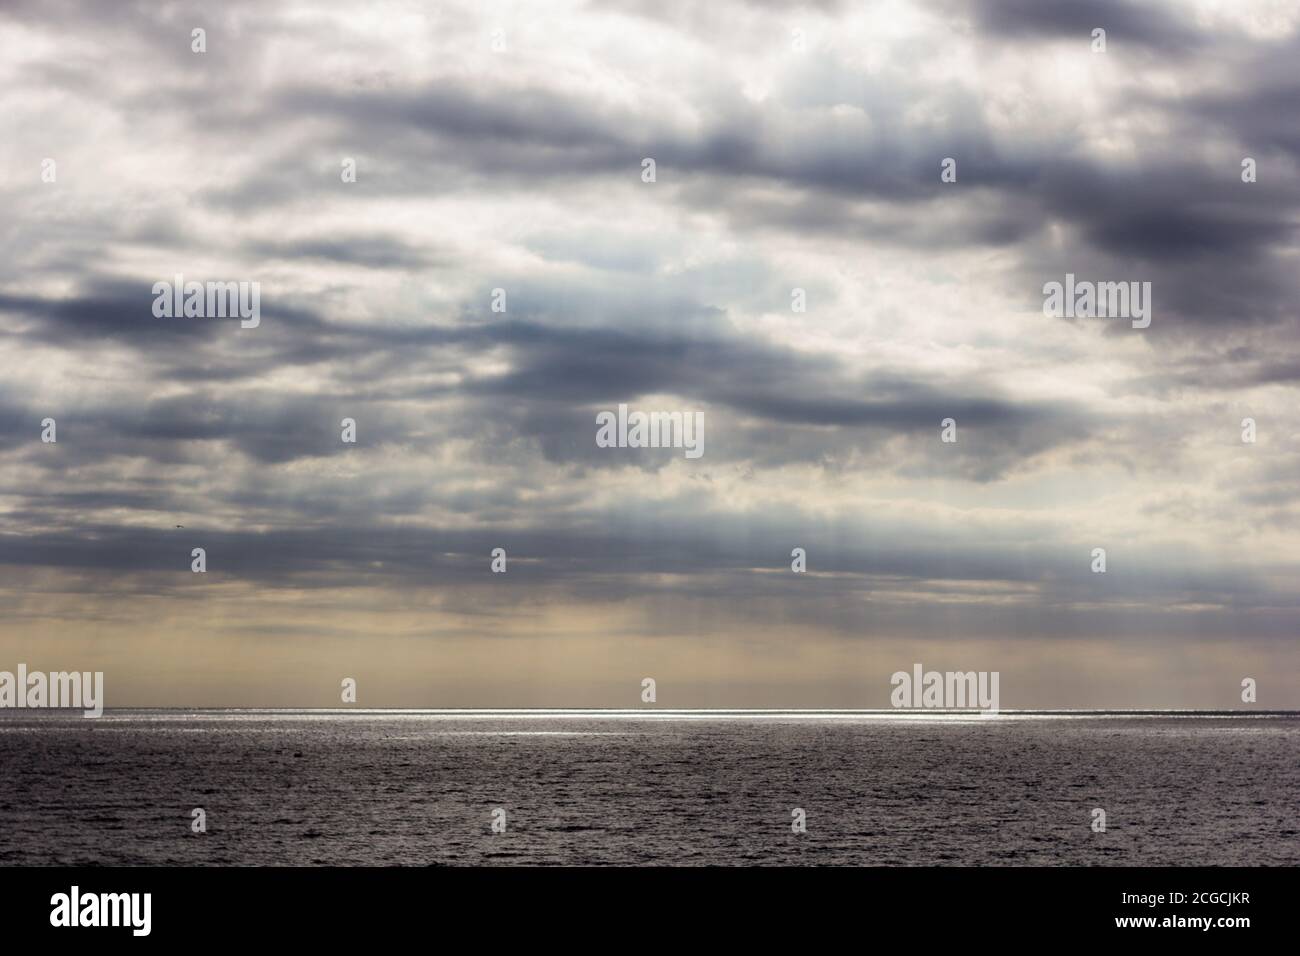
[675,788]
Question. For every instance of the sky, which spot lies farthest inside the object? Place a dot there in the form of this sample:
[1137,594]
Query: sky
[795,146]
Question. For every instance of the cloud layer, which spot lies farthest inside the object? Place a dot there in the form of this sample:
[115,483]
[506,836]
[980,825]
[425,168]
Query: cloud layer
[796,147]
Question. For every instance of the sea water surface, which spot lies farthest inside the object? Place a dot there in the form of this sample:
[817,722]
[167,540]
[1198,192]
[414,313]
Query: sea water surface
[648,787]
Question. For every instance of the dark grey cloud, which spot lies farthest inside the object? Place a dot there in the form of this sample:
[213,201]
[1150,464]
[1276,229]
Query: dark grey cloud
[557,377]
[372,252]
[858,586]
[1164,27]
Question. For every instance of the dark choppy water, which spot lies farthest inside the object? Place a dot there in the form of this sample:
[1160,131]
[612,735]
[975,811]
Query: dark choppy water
[419,788]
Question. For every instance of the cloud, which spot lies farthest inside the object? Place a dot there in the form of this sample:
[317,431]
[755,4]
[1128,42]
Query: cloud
[779,170]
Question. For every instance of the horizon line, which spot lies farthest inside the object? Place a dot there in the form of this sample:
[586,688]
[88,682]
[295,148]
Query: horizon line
[663,712]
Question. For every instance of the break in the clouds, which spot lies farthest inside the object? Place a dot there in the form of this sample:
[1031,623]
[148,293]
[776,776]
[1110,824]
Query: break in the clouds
[499,154]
